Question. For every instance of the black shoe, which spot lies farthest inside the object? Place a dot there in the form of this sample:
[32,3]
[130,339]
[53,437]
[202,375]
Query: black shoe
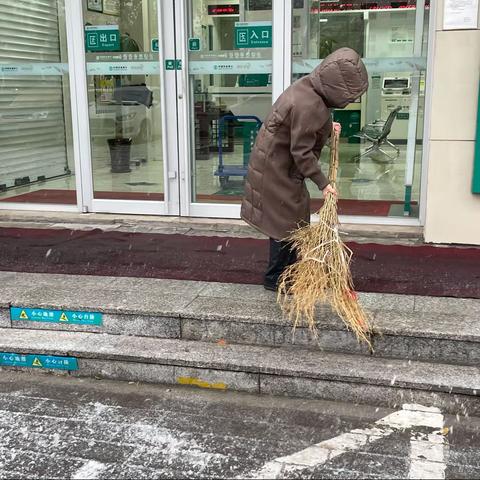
[270,286]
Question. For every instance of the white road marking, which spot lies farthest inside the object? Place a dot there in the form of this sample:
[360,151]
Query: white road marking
[89,471]
[427,456]
[427,451]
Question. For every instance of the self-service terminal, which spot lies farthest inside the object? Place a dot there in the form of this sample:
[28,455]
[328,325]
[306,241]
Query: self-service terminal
[396,92]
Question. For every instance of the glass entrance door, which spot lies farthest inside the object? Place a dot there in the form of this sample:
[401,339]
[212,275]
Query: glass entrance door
[176,92]
[132,167]
[230,87]
[173,94]
[382,133]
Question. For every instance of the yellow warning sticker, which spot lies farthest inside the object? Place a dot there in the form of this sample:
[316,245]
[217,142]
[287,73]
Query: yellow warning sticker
[63,317]
[37,363]
[24,315]
[201,383]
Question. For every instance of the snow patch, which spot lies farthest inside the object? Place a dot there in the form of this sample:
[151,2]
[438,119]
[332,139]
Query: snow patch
[91,470]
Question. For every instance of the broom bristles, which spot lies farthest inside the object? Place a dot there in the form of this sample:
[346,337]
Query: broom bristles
[322,273]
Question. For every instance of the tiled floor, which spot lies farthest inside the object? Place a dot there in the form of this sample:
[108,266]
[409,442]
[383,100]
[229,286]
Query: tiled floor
[373,178]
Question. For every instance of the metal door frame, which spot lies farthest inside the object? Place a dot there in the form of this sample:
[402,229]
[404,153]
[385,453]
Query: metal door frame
[187,206]
[175,98]
[81,134]
[281,75]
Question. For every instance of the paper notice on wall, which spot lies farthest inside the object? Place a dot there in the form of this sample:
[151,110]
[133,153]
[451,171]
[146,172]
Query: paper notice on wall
[399,34]
[111,7]
[460,14]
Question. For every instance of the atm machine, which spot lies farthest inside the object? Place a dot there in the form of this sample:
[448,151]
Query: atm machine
[396,92]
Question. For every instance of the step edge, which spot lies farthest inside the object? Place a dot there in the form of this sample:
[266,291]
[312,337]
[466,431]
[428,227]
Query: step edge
[322,325]
[253,369]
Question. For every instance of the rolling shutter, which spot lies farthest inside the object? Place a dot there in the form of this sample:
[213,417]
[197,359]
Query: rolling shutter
[32,123]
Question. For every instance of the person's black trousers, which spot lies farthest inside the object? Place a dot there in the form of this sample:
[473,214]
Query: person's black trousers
[281,256]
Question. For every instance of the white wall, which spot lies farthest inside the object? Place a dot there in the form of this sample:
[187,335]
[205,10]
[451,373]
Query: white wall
[452,211]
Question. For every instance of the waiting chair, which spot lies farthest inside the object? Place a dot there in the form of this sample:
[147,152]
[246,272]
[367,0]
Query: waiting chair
[377,133]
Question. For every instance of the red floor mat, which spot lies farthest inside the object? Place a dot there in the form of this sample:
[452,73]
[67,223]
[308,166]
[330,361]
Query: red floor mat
[378,208]
[422,270]
[69,197]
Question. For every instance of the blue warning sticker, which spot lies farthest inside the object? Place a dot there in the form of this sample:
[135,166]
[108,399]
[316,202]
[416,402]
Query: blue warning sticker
[38,361]
[55,316]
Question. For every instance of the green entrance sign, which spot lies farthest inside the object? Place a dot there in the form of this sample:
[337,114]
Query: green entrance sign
[102,38]
[476,155]
[193,44]
[253,34]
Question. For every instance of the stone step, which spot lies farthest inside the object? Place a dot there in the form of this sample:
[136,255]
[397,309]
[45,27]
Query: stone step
[255,369]
[420,328]
[399,234]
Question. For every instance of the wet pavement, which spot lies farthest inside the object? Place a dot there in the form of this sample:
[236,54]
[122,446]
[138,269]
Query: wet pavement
[61,427]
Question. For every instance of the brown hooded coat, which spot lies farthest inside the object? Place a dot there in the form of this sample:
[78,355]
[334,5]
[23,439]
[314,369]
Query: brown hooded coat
[290,141]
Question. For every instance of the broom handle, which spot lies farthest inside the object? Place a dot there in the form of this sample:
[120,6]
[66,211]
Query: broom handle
[332,174]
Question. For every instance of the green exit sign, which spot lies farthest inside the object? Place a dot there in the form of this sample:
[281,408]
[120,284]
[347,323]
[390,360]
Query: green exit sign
[102,38]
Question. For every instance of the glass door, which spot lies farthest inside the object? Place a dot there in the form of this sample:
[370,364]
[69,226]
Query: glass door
[382,133]
[170,95]
[231,51]
[131,119]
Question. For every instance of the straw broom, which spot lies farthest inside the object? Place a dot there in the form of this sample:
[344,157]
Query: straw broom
[322,272]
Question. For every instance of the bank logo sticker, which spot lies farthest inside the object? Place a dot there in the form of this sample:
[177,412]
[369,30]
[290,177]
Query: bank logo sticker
[56,316]
[37,69]
[38,361]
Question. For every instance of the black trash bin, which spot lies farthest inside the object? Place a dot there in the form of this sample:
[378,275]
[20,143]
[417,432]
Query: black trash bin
[120,154]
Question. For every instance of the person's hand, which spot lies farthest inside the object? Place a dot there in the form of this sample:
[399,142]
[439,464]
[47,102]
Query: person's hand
[337,127]
[329,189]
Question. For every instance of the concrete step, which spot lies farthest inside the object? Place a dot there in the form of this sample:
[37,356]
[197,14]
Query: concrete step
[431,329]
[255,369]
[385,234]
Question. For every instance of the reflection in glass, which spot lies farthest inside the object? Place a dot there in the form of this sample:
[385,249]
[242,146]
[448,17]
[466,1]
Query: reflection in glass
[36,161]
[377,147]
[124,101]
[231,86]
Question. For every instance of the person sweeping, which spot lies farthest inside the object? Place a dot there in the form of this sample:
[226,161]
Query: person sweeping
[286,152]
[276,200]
